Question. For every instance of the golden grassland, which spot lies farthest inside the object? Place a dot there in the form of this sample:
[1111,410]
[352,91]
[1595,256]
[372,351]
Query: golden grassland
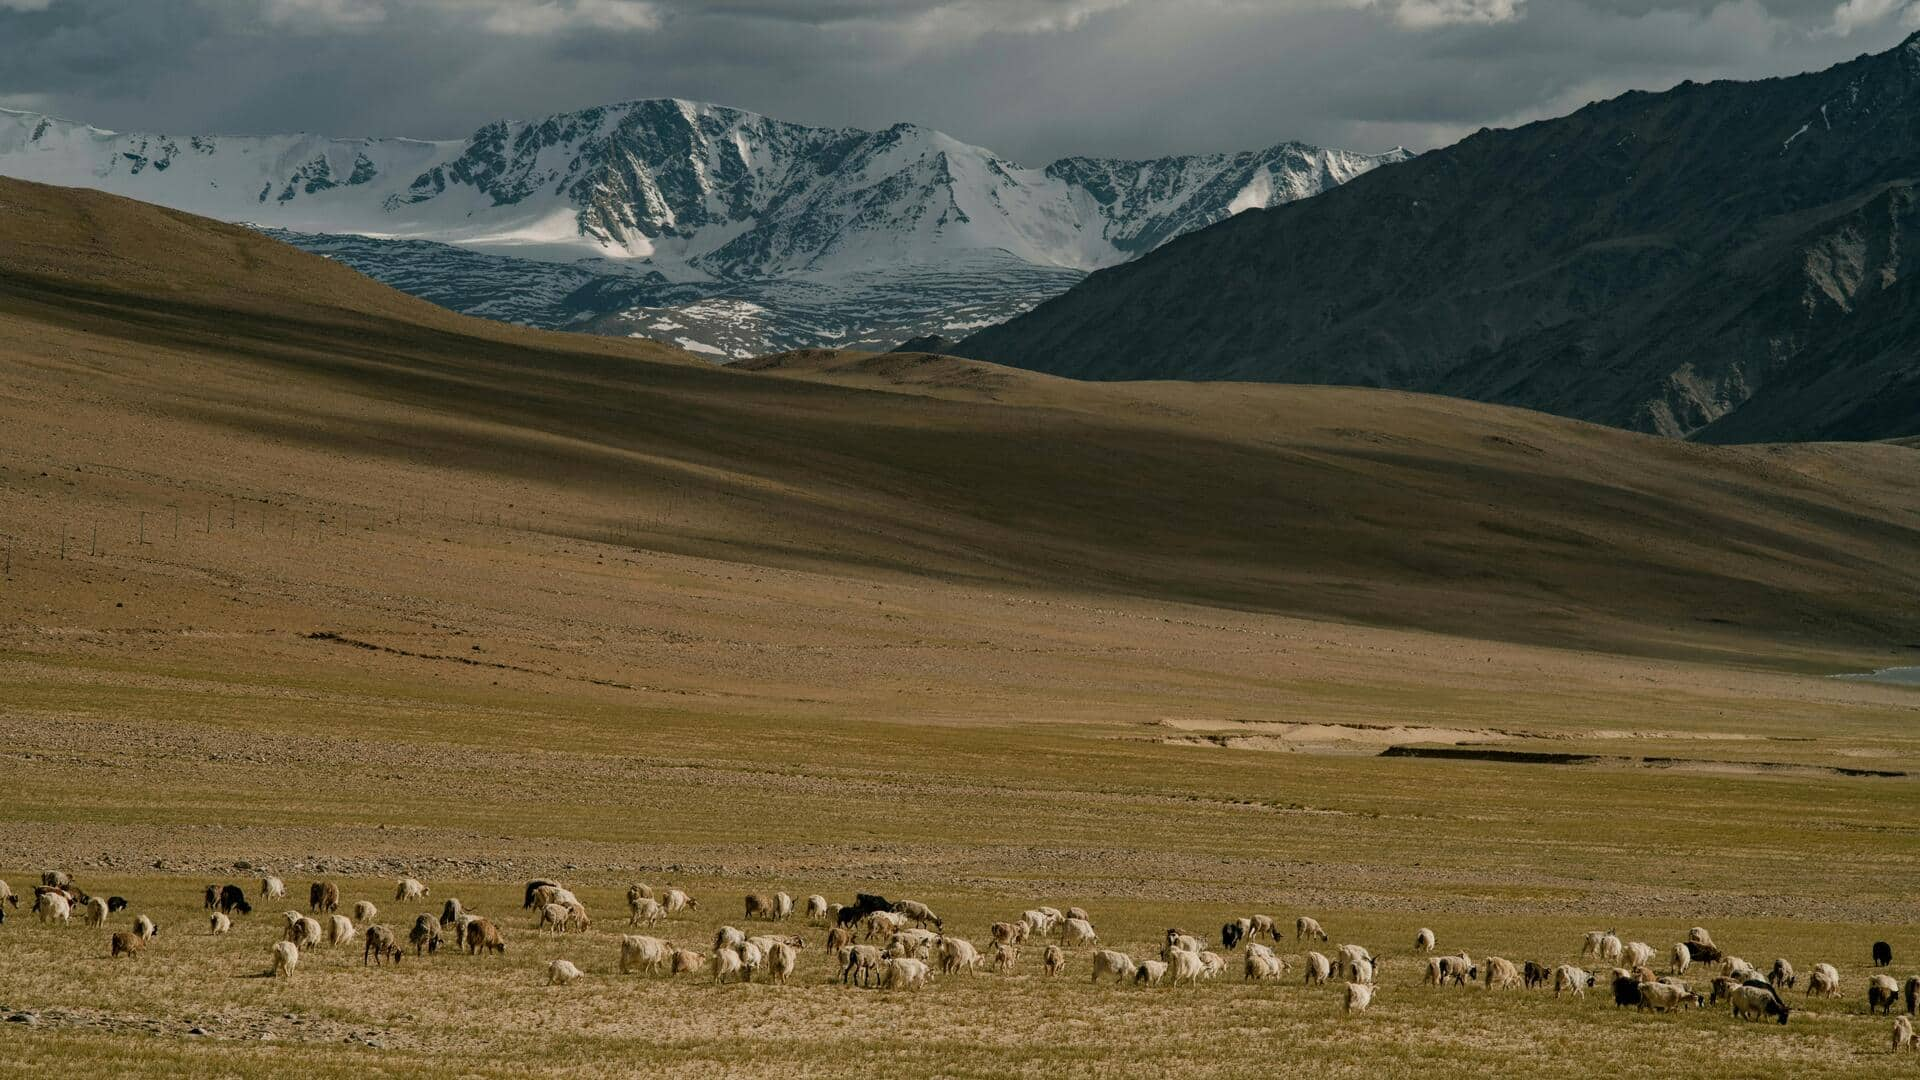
[303,574]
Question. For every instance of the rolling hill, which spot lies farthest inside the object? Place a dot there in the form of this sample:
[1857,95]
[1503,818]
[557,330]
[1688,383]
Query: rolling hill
[160,361]
[1727,262]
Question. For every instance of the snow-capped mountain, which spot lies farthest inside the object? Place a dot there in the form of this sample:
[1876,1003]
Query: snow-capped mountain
[664,203]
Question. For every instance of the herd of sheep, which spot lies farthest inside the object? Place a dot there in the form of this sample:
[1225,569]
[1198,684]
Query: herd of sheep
[875,942]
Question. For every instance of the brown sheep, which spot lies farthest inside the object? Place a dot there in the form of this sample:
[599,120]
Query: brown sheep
[126,943]
[425,935]
[380,945]
[484,937]
[323,896]
[1055,960]
[759,906]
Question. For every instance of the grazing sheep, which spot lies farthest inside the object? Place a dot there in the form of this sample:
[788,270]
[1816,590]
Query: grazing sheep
[782,958]
[766,942]
[451,911]
[1349,959]
[1663,997]
[272,888]
[728,937]
[1005,956]
[380,945]
[1359,997]
[921,914]
[645,911]
[1568,977]
[1151,972]
[727,962]
[1758,1000]
[1782,973]
[918,944]
[1681,958]
[1458,970]
[561,972]
[1114,963]
[1903,1035]
[1911,992]
[884,924]
[1737,968]
[1723,987]
[677,901]
[958,955]
[1698,936]
[1882,994]
[286,957]
[1232,933]
[1626,991]
[1319,968]
[410,889]
[1424,941]
[782,906]
[125,944]
[144,929]
[212,897]
[1078,933]
[553,917]
[232,899]
[864,904]
[1038,922]
[1534,973]
[1305,927]
[364,911]
[905,974]
[339,929]
[861,961]
[52,907]
[95,912]
[323,896]
[1590,948]
[1824,981]
[425,935]
[1179,940]
[119,903]
[535,886]
[1078,913]
[759,906]
[1882,954]
[1054,960]
[6,894]
[219,923]
[1637,954]
[650,954]
[306,932]
[1611,948]
[1263,924]
[1260,964]
[837,937]
[1502,974]
[1185,967]
[1433,973]
[484,937]
[1005,932]
[57,879]
[686,961]
[816,909]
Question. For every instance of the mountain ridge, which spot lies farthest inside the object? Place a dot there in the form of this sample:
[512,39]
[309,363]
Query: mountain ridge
[1721,261]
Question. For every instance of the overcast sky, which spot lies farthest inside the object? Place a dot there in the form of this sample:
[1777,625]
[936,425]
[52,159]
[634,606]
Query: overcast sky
[1032,79]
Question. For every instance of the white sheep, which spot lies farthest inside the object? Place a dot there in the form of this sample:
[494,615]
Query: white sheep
[782,906]
[920,913]
[1182,943]
[645,911]
[1502,974]
[1263,924]
[286,957]
[53,907]
[219,923]
[1590,948]
[1903,1035]
[1112,962]
[725,962]
[1152,972]
[1424,941]
[677,901]
[751,958]
[861,961]
[782,958]
[1319,968]
[1637,954]
[339,929]
[95,913]
[1308,928]
[1682,957]
[1038,919]
[1185,967]
[561,972]
[1568,977]
[687,962]
[409,889]
[1079,933]
[729,937]
[1261,963]
[1611,948]
[272,888]
[958,955]
[144,929]
[1882,993]
[816,909]
[648,953]
[1359,997]
[364,911]
[1350,957]
[1824,981]
[1214,964]
[553,917]
[904,973]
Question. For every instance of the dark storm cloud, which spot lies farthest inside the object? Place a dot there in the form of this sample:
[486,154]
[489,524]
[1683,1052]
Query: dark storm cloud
[1034,79]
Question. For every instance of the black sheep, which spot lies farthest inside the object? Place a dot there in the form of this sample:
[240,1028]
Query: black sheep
[864,904]
[1882,954]
[1230,935]
[234,899]
[1626,991]
[116,903]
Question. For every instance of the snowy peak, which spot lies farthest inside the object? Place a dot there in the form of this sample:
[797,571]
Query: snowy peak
[695,191]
